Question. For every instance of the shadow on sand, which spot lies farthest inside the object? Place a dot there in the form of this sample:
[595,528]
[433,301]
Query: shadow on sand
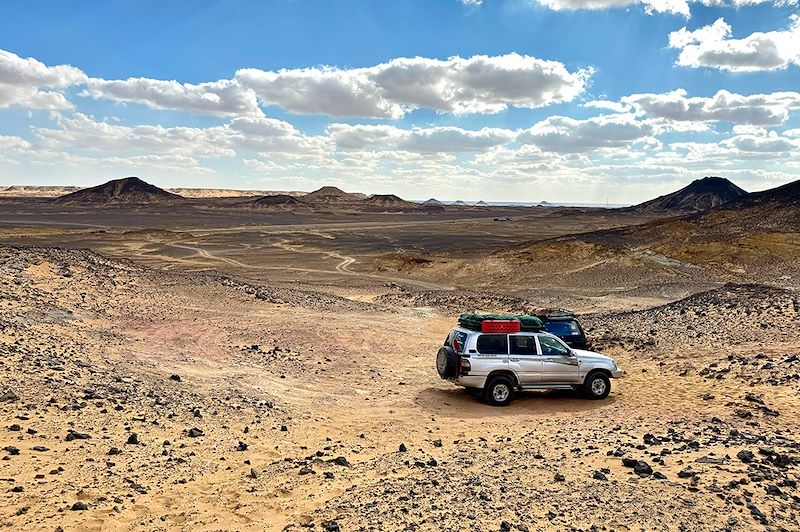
[457,402]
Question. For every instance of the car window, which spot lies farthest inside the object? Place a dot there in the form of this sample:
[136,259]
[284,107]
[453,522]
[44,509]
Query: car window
[562,327]
[552,347]
[493,344]
[458,337]
[523,345]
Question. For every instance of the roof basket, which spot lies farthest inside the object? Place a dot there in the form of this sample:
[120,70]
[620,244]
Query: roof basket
[475,321]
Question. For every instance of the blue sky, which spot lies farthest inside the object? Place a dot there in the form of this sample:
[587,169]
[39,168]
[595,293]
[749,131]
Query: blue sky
[563,100]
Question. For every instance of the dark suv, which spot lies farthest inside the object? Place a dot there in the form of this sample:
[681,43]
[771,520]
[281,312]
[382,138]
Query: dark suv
[565,325]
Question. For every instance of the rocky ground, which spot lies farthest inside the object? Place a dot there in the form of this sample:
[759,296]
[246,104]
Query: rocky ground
[132,398]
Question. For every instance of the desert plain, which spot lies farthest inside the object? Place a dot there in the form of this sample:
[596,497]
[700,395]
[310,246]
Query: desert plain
[225,363]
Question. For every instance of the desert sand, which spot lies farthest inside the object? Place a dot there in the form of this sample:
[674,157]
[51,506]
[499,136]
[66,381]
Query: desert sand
[213,366]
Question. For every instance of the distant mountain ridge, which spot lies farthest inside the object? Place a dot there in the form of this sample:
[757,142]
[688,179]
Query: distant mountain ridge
[128,190]
[275,200]
[699,195]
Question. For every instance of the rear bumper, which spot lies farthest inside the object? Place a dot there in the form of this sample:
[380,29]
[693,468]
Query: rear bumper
[471,381]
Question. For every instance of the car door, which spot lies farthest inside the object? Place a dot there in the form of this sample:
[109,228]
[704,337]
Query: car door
[558,365]
[492,351]
[524,359]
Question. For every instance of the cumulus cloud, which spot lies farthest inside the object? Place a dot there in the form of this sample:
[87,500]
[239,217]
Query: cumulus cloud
[259,134]
[617,107]
[761,142]
[25,82]
[432,140]
[9,143]
[680,7]
[220,98]
[479,84]
[755,109]
[713,46]
[568,135]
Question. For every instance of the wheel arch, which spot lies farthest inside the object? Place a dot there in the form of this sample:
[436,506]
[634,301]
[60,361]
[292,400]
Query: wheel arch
[504,373]
[604,371]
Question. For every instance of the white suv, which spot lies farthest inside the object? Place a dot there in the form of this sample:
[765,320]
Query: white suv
[500,363]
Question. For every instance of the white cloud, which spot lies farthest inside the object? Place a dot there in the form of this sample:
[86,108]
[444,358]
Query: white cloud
[480,84]
[568,135]
[259,134]
[680,7]
[23,82]
[9,143]
[761,142]
[617,107]
[755,109]
[81,132]
[220,98]
[714,47]
[420,140]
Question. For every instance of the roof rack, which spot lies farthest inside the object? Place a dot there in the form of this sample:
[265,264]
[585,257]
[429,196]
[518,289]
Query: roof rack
[551,312]
[526,322]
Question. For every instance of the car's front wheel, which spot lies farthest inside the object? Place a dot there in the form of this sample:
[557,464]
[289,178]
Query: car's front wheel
[499,391]
[597,385]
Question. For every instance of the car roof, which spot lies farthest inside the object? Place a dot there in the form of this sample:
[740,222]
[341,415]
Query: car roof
[531,333]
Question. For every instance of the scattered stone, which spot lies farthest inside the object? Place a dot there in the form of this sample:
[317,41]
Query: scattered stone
[330,526]
[642,469]
[79,506]
[73,435]
[745,456]
[133,439]
[342,461]
[195,432]
[8,397]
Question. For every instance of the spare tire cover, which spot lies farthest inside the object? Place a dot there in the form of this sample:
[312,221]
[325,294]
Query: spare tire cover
[446,362]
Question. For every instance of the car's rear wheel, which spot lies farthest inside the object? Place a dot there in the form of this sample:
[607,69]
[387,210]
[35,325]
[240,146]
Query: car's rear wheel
[499,391]
[597,385]
[447,362]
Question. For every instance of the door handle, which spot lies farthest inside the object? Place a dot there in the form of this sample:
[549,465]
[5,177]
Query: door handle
[514,359]
[548,359]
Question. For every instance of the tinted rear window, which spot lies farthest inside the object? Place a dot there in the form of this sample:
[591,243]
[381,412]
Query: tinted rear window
[457,336]
[493,344]
[562,328]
